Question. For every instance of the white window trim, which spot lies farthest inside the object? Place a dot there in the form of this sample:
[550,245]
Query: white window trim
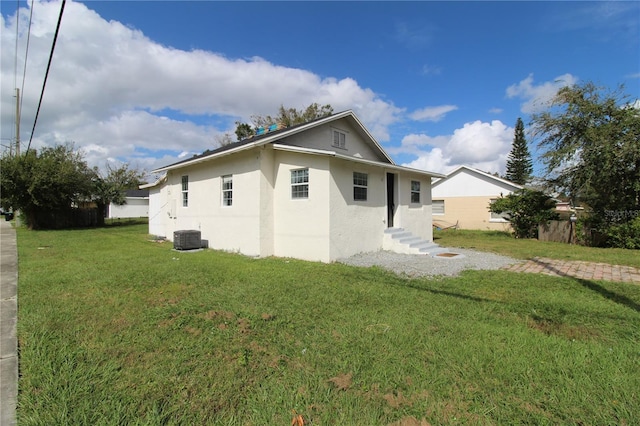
[366,187]
[444,211]
[224,191]
[343,133]
[496,219]
[411,192]
[184,192]
[295,184]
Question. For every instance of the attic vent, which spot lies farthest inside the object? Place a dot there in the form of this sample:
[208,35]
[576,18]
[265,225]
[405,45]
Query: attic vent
[187,240]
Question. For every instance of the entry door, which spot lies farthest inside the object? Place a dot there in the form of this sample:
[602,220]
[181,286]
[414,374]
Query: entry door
[391,207]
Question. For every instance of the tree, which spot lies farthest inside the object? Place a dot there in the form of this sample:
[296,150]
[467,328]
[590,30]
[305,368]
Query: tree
[224,139]
[590,136]
[286,117]
[111,187]
[52,180]
[525,209]
[244,131]
[519,165]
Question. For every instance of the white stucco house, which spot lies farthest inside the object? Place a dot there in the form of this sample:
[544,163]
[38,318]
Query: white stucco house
[462,199]
[318,191]
[137,205]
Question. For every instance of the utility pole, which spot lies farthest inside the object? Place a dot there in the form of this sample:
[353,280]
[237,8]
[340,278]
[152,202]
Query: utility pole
[17,122]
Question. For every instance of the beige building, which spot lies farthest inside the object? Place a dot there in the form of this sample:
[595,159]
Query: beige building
[462,199]
[320,191]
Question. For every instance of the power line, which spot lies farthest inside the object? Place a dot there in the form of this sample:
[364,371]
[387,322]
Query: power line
[46,75]
[26,55]
[15,61]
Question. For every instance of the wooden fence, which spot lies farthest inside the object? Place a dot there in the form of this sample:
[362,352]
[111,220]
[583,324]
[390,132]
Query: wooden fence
[561,231]
[72,218]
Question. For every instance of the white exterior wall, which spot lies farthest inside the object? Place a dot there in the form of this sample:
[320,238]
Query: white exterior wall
[414,217]
[267,184]
[468,184]
[135,207]
[467,195]
[301,226]
[158,210]
[231,228]
[356,226]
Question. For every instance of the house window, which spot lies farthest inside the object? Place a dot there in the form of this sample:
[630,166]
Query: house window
[415,191]
[437,207]
[227,190]
[360,186]
[339,139]
[300,183]
[185,191]
[498,217]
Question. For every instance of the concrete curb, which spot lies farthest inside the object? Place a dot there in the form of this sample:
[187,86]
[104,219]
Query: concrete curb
[8,324]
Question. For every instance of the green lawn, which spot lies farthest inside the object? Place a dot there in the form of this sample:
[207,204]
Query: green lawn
[503,243]
[115,329]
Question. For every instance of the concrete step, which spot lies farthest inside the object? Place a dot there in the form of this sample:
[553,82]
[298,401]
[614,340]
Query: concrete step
[423,244]
[393,230]
[410,240]
[401,235]
[434,250]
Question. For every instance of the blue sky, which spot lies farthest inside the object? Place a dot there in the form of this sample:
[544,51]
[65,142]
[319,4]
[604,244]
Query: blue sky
[439,84]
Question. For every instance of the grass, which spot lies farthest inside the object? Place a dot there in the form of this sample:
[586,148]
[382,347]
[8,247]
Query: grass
[503,243]
[116,329]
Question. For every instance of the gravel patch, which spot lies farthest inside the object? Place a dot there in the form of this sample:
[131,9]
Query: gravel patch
[420,265]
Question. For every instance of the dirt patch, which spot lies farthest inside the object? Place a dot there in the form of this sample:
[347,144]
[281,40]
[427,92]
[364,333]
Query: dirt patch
[342,381]
[211,315]
[571,332]
[396,400]
[410,421]
[447,255]
[193,331]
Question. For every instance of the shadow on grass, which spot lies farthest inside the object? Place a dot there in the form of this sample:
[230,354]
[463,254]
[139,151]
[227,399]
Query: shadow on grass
[607,294]
[411,284]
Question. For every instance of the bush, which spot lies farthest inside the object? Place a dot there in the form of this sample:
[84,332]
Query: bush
[624,235]
[526,209]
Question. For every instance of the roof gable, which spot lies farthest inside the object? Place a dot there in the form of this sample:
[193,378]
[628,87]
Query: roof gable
[287,136]
[466,182]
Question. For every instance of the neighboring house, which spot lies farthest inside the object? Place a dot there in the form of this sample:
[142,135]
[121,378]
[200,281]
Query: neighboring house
[318,191]
[462,199]
[137,205]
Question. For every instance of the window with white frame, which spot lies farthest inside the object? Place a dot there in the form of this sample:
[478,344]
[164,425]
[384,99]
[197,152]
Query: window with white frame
[339,139]
[185,191]
[498,217]
[437,207]
[360,181]
[415,191]
[300,183]
[227,190]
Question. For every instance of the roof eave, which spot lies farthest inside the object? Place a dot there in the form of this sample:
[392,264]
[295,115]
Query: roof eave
[353,159]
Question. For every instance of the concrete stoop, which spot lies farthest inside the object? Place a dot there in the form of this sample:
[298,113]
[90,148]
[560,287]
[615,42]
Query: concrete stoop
[398,240]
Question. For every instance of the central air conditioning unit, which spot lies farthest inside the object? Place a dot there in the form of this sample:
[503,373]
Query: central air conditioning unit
[187,240]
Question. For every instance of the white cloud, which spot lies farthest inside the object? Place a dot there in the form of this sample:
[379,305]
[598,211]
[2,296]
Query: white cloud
[414,37]
[537,96]
[477,144]
[496,110]
[435,113]
[431,70]
[112,87]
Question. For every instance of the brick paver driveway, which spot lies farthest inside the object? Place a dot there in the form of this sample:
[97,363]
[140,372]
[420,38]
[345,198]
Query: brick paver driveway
[578,269]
